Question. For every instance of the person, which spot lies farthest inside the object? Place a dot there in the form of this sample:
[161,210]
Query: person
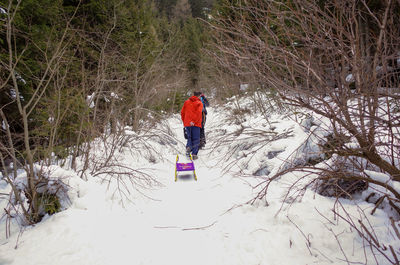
[191,115]
[203,123]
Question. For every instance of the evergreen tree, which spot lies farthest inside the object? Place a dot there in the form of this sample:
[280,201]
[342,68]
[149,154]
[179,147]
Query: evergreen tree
[201,7]
[193,32]
[166,7]
[182,10]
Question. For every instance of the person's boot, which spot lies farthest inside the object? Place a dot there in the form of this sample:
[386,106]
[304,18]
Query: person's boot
[188,152]
[202,144]
[194,157]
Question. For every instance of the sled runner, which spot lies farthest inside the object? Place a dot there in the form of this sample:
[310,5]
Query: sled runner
[184,167]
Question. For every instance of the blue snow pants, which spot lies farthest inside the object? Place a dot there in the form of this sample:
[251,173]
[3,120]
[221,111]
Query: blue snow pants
[193,140]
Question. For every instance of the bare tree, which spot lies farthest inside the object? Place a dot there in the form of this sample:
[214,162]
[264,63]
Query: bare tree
[338,59]
[321,58]
[26,107]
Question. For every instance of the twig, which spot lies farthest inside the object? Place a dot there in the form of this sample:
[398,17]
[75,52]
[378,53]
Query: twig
[396,230]
[308,244]
[370,241]
[369,233]
[394,254]
[199,228]
[164,227]
[340,246]
[326,218]
[378,202]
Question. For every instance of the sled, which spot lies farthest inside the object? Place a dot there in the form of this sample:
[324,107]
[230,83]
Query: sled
[184,167]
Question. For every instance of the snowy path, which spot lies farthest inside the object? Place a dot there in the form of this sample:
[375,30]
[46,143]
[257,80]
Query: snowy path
[181,220]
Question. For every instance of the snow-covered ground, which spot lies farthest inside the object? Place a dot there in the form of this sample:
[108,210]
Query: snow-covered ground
[200,222]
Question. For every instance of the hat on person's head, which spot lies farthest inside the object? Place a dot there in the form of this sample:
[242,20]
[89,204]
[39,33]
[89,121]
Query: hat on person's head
[197,93]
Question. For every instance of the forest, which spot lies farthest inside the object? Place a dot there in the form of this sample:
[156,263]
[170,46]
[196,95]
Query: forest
[77,71]
[73,70]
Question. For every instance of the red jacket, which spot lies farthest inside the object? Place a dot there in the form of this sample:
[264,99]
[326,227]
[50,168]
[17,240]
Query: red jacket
[191,112]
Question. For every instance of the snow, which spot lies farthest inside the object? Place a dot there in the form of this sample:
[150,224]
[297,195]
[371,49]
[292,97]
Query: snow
[20,78]
[200,222]
[90,100]
[244,87]
[383,178]
[13,93]
[350,78]
[114,95]
[378,176]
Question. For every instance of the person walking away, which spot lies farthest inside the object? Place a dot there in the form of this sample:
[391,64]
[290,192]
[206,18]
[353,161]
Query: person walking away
[191,115]
[203,123]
